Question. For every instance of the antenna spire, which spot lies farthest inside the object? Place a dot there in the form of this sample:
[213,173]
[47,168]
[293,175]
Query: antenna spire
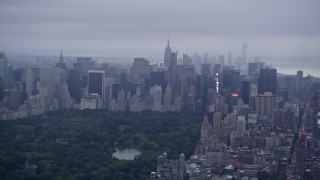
[61,57]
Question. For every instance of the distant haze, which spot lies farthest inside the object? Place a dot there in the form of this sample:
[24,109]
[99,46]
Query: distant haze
[142,27]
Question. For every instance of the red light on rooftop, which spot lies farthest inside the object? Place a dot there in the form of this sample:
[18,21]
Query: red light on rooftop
[235,94]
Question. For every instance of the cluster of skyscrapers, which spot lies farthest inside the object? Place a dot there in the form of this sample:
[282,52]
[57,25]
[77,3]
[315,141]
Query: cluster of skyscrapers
[191,86]
[278,137]
[250,104]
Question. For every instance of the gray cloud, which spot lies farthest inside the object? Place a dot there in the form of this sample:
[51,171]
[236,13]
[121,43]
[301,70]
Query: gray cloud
[140,27]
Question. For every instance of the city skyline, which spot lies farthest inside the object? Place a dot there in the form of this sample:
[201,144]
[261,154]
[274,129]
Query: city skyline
[115,28]
[183,89]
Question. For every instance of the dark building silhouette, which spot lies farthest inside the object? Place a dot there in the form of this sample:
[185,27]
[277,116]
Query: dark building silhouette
[299,80]
[245,91]
[226,77]
[82,65]
[123,79]
[173,71]
[96,82]
[252,69]
[74,84]
[201,91]
[157,78]
[267,81]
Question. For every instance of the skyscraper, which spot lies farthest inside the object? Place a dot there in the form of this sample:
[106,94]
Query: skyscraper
[158,78]
[240,126]
[62,65]
[216,123]
[186,59]
[201,92]
[253,68]
[221,60]
[167,55]
[265,105]
[299,80]
[267,81]
[157,98]
[301,154]
[245,91]
[121,100]
[96,83]
[206,69]
[3,67]
[185,81]
[173,72]
[82,65]
[140,67]
[168,99]
[74,84]
[52,78]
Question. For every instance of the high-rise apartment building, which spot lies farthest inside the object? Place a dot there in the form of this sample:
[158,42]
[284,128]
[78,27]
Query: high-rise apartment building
[157,98]
[240,126]
[121,100]
[265,105]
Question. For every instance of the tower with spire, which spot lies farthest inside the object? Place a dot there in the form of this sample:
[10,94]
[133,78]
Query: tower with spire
[62,65]
[167,54]
[61,57]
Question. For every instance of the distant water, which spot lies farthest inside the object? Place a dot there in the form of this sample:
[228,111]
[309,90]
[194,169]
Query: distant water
[127,154]
[290,65]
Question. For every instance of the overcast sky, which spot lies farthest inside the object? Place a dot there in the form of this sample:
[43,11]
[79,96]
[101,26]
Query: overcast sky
[142,27]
